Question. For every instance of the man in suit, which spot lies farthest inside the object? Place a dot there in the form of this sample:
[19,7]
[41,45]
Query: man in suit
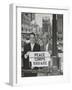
[32,46]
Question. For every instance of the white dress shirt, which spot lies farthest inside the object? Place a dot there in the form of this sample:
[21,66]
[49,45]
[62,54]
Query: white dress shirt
[32,46]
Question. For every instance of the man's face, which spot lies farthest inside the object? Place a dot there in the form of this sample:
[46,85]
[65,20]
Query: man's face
[32,38]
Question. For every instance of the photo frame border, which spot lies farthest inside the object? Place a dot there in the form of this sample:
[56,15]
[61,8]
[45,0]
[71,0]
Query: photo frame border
[13,72]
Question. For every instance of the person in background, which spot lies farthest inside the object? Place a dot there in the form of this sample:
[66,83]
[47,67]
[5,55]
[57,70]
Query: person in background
[45,41]
[49,46]
[41,44]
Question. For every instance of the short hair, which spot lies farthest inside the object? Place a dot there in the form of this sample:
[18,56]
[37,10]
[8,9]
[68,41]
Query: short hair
[32,34]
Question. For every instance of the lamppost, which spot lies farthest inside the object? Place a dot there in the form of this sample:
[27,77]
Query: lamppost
[54,41]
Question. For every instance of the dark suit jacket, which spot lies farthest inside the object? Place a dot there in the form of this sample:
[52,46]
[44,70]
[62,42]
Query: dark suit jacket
[27,48]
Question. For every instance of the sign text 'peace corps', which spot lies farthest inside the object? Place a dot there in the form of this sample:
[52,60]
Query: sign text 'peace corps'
[39,59]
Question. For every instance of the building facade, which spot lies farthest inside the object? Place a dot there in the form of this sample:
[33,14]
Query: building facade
[26,19]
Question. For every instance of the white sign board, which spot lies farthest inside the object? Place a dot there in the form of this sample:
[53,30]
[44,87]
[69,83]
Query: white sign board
[39,59]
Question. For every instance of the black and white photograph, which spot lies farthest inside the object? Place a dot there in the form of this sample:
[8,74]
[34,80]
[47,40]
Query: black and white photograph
[41,44]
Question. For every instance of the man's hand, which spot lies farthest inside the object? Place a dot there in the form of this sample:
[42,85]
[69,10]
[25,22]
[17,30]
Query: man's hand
[26,55]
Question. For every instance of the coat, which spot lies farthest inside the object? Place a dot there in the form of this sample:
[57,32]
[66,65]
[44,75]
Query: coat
[27,48]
